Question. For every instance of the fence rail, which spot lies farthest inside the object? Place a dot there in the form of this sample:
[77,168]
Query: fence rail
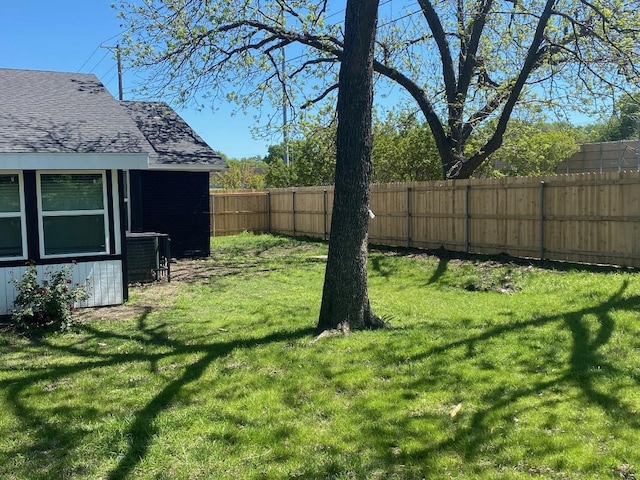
[588,218]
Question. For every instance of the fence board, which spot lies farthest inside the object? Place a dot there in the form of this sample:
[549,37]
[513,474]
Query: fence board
[591,218]
[236,212]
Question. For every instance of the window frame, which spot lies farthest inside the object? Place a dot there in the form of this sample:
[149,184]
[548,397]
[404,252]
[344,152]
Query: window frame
[21,215]
[126,196]
[104,211]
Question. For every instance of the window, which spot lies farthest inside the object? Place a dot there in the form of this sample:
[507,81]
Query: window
[73,217]
[12,224]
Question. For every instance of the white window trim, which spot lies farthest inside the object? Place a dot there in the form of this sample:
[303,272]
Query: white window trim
[127,200]
[68,213]
[115,190]
[22,215]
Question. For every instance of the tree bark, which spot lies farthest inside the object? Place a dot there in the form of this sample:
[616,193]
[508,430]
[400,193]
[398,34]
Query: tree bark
[345,300]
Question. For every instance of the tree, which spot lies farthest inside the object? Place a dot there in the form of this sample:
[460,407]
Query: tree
[240,174]
[279,175]
[623,124]
[530,148]
[404,150]
[345,301]
[312,157]
[274,153]
[491,57]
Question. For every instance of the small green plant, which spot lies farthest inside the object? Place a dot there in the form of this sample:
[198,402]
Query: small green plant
[49,304]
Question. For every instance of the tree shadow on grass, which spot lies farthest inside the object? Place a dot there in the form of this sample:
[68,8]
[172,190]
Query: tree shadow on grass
[586,363]
[57,439]
[51,439]
[441,269]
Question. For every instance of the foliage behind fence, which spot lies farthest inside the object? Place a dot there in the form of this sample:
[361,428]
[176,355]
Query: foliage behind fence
[591,218]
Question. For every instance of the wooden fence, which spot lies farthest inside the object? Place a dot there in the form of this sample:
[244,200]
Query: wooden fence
[588,218]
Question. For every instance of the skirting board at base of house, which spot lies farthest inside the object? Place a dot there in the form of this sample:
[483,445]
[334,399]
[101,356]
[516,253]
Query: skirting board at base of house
[103,281]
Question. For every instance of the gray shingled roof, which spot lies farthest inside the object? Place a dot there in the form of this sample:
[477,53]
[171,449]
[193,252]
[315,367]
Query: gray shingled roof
[54,112]
[172,138]
[57,112]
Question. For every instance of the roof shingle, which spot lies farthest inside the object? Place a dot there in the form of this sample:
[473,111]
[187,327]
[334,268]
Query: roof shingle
[54,112]
[173,140]
[57,112]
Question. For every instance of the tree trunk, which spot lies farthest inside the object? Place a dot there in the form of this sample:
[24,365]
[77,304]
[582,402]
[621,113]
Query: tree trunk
[345,301]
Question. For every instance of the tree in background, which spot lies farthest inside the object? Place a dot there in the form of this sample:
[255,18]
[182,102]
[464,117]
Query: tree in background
[463,63]
[530,149]
[624,124]
[240,174]
[279,175]
[315,160]
[404,150]
[312,158]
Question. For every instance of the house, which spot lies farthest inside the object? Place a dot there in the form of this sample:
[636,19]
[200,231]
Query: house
[80,170]
[173,196]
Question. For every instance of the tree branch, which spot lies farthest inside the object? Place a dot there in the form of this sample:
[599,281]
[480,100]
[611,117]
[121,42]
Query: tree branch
[326,92]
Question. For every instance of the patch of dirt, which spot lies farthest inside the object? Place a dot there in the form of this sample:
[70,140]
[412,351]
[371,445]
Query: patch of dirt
[156,295]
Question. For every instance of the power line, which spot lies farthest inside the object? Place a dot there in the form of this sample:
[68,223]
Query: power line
[400,18]
[87,60]
[108,72]
[96,50]
[99,62]
[111,38]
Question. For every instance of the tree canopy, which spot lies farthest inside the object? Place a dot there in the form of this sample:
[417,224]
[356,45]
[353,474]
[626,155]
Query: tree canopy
[530,149]
[463,63]
[240,174]
[404,151]
[624,124]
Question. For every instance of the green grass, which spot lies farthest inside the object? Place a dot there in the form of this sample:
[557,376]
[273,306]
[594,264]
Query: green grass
[226,382]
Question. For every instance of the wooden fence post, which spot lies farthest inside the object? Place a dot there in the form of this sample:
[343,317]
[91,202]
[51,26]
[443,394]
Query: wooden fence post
[213,214]
[293,210]
[619,155]
[408,217]
[467,219]
[268,212]
[542,185]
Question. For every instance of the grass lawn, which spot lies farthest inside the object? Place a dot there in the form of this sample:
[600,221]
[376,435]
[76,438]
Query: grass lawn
[489,371]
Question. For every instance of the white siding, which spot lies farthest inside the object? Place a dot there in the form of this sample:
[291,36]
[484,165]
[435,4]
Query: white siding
[104,282]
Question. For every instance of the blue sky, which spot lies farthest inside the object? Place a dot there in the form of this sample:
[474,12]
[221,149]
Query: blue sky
[66,35]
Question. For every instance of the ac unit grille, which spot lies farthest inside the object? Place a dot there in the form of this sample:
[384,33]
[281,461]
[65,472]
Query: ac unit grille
[147,257]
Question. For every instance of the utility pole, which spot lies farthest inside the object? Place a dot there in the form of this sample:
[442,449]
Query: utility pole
[119,60]
[285,128]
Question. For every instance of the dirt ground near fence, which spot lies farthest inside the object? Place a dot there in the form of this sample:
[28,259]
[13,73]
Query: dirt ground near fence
[153,296]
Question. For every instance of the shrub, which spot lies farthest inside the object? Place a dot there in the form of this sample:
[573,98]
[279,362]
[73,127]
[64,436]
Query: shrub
[46,305]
